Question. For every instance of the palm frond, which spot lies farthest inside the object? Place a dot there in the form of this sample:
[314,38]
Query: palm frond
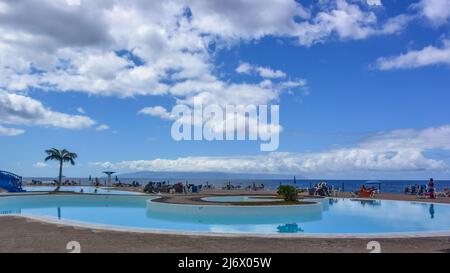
[61,155]
[50,157]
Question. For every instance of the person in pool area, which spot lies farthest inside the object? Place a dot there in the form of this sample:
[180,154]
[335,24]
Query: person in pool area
[431,188]
[421,189]
[431,210]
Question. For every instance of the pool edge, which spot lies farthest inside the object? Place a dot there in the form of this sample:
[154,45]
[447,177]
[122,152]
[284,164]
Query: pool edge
[79,224]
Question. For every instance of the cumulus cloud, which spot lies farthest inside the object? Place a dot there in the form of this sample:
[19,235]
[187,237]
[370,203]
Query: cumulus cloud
[22,110]
[163,47]
[216,92]
[347,21]
[222,94]
[427,56]
[5,131]
[75,26]
[102,127]
[400,150]
[81,48]
[374,2]
[396,24]
[425,139]
[264,72]
[157,111]
[436,11]
[244,68]
[246,19]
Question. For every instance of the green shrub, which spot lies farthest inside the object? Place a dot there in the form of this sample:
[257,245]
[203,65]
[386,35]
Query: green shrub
[289,193]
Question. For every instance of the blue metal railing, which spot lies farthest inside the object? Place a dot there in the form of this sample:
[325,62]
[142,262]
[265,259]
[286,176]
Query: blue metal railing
[10,182]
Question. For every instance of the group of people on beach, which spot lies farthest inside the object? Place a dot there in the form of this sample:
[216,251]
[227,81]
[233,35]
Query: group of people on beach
[422,190]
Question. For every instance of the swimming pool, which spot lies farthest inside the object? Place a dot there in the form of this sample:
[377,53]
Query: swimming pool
[86,189]
[335,216]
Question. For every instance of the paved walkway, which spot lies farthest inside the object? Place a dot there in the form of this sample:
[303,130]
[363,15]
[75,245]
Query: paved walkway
[23,235]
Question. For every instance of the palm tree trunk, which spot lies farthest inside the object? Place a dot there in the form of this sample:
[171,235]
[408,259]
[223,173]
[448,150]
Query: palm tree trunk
[60,176]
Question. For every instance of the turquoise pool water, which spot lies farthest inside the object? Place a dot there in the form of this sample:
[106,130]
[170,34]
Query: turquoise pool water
[86,189]
[336,216]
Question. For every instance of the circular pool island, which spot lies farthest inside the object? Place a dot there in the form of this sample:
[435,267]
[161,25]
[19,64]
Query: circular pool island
[236,210]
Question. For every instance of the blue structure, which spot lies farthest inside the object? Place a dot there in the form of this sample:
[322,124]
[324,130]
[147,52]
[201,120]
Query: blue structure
[10,182]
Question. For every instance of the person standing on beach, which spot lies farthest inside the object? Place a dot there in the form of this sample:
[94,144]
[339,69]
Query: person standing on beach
[431,188]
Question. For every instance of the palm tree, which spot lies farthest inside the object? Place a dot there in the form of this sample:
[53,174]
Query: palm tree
[61,156]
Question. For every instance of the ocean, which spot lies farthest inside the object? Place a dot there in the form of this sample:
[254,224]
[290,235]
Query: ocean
[390,186]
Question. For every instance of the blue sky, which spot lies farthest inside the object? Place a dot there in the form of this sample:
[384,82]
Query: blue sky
[370,95]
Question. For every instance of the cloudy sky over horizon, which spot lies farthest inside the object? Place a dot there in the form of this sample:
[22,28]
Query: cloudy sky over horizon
[363,85]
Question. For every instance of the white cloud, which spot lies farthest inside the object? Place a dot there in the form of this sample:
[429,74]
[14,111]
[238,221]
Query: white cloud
[21,110]
[157,111]
[216,92]
[427,56]
[102,127]
[396,24]
[244,68]
[250,19]
[346,20]
[81,110]
[293,84]
[103,66]
[425,139]
[5,131]
[313,24]
[40,165]
[374,2]
[401,150]
[436,11]
[163,45]
[234,94]
[264,72]
[88,61]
